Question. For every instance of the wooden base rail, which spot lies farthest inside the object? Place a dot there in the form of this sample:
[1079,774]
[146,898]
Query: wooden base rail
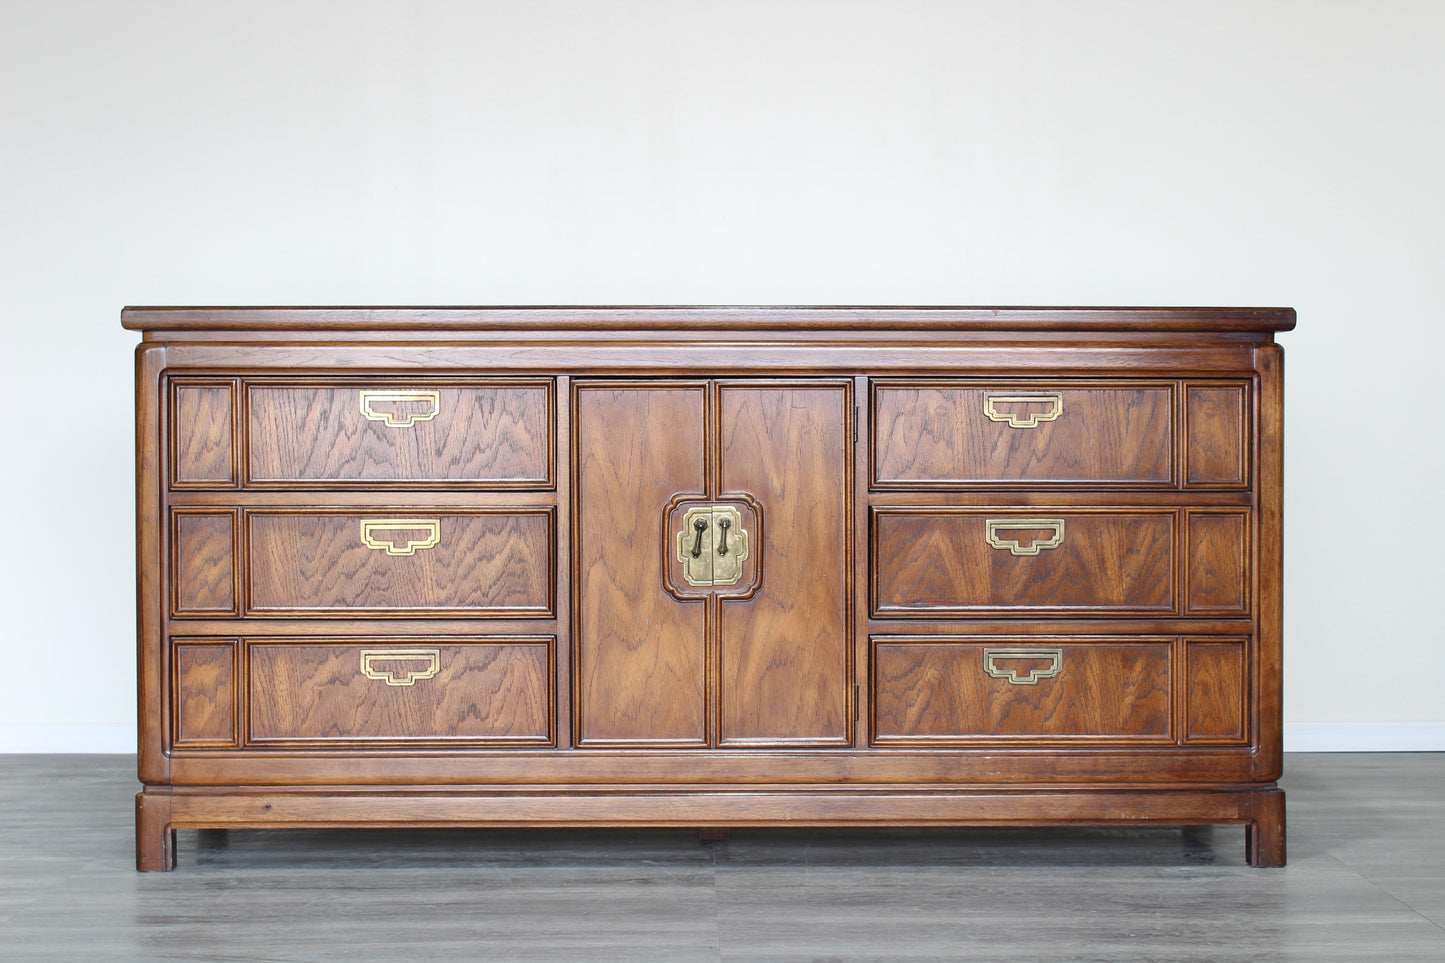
[159,815]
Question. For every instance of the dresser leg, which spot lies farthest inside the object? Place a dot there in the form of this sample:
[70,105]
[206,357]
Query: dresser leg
[713,834]
[1264,834]
[155,840]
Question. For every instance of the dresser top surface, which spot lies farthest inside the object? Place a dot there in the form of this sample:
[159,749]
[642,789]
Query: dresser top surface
[1233,320]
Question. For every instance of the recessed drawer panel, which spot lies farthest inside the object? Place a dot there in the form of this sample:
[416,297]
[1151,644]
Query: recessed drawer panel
[490,434]
[487,691]
[930,690]
[485,562]
[203,693]
[963,433]
[931,562]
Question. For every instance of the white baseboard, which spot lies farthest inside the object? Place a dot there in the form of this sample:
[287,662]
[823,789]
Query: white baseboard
[67,737]
[1364,737]
[1298,737]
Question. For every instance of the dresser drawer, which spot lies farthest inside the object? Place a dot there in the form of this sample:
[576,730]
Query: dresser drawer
[481,691]
[932,690]
[401,561]
[477,434]
[952,561]
[967,433]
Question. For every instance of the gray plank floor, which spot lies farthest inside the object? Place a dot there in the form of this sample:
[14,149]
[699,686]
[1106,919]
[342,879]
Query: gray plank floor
[1366,881]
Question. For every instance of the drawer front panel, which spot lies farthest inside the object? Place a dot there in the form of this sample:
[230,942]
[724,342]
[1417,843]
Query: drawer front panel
[491,691]
[496,434]
[1217,679]
[203,693]
[497,563]
[931,562]
[203,560]
[203,429]
[1216,422]
[947,690]
[960,434]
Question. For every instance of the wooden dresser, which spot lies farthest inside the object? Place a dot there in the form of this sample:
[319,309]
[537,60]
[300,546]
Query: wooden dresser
[708,567]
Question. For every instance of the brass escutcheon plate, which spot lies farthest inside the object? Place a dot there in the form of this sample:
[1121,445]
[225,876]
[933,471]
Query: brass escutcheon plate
[712,545]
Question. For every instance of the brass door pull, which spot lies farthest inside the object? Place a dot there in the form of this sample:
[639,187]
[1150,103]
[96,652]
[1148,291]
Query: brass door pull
[700,526]
[723,525]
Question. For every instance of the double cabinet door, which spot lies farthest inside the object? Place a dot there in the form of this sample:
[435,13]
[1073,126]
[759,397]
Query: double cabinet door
[713,549]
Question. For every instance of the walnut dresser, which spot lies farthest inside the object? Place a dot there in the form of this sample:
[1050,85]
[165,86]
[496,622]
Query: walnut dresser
[708,567]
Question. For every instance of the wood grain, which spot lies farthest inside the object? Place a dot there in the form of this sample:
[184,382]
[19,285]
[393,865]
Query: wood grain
[486,692]
[1267,568]
[492,434]
[937,434]
[1218,560]
[205,563]
[688,769]
[496,562]
[203,693]
[640,653]
[202,441]
[250,321]
[1216,427]
[938,561]
[932,691]
[1217,683]
[154,569]
[785,652]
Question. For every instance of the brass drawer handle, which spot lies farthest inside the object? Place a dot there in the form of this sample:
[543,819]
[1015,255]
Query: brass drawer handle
[400,420]
[1055,402]
[995,525]
[397,674]
[1014,676]
[432,527]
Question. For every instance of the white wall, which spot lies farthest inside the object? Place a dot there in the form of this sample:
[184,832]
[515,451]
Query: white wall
[1235,153]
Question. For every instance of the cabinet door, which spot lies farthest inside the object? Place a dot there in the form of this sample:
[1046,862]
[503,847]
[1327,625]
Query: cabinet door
[666,658]
[640,653]
[785,650]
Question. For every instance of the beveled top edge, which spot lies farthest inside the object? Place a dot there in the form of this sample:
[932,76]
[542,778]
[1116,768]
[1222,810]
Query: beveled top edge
[736,317]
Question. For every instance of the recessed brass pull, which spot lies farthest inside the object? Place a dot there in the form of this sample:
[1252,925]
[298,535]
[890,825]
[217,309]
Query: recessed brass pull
[991,658]
[993,526]
[373,665]
[432,527]
[1033,420]
[391,419]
